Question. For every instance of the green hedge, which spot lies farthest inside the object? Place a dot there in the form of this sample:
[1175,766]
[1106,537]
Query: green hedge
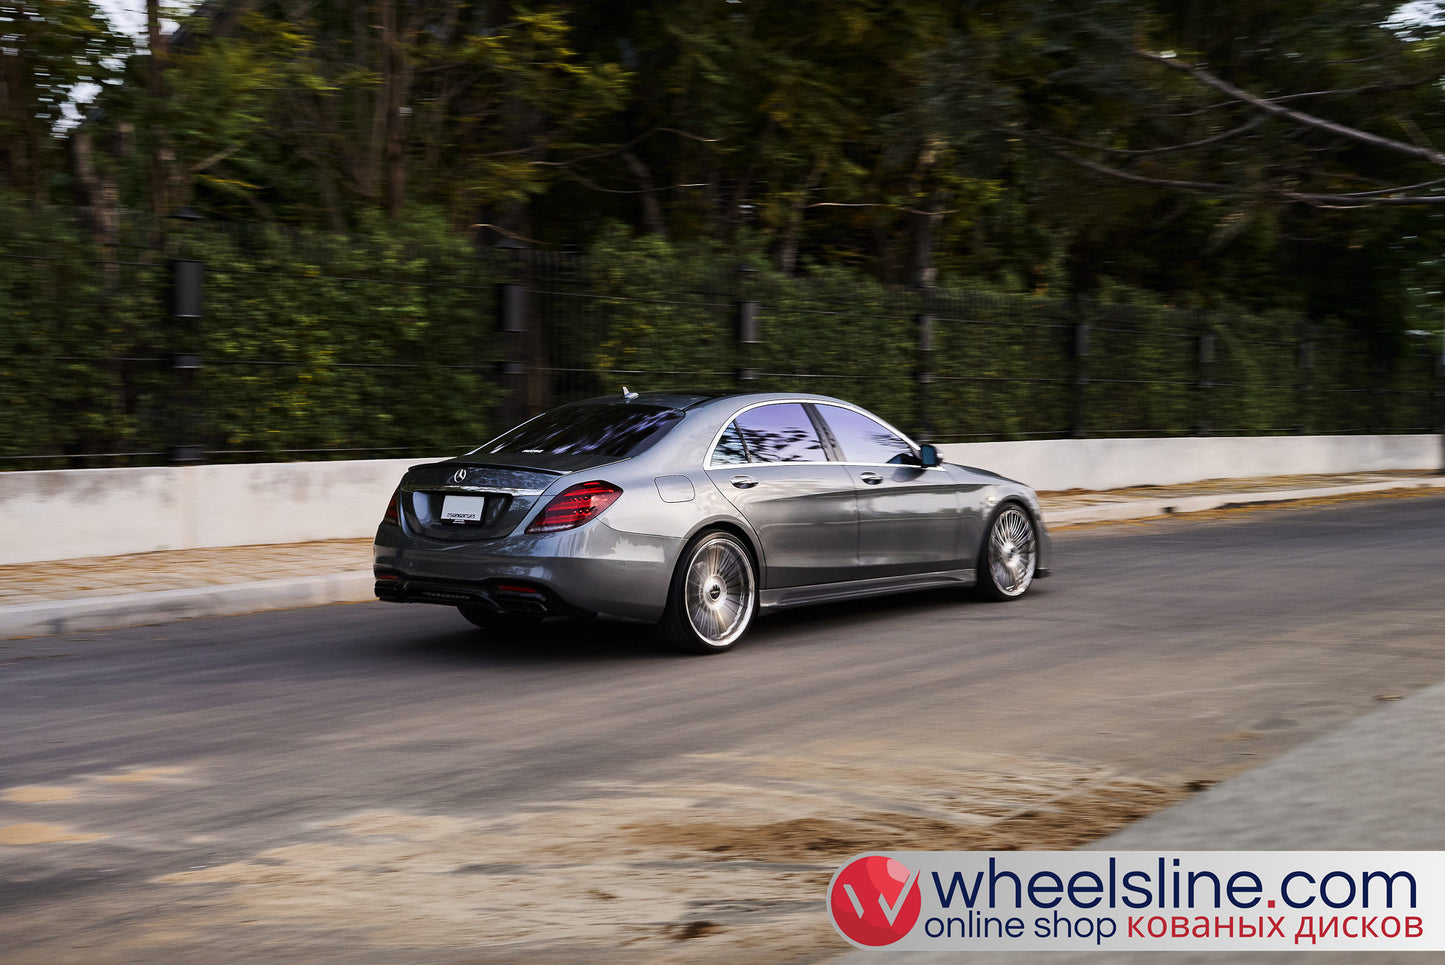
[313,346]
[321,346]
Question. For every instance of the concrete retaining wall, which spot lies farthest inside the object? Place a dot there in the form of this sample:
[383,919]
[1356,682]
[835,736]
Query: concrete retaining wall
[65,514]
[104,512]
[1055,465]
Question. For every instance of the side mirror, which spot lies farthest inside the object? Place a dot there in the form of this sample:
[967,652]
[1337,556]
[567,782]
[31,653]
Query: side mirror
[928,456]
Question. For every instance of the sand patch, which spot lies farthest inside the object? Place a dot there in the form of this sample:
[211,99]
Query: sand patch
[700,870]
[142,775]
[37,794]
[23,834]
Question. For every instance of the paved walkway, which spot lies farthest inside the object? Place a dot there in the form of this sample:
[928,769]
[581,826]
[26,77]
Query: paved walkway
[89,594]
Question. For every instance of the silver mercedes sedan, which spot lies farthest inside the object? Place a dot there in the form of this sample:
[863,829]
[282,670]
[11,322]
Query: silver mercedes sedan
[698,512]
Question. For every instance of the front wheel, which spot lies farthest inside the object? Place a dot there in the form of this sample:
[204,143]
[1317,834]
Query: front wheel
[713,595]
[1010,554]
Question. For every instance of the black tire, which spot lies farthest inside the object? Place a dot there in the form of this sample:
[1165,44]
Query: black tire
[1009,556]
[499,624]
[713,597]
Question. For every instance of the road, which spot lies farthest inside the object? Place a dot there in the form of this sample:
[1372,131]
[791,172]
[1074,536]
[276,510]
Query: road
[370,783]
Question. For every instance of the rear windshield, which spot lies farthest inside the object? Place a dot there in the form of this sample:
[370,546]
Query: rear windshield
[587,430]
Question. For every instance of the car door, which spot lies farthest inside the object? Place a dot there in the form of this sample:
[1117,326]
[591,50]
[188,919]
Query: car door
[773,466]
[908,516]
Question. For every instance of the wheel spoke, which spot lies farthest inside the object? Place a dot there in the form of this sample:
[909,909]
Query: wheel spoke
[718,592]
[1012,552]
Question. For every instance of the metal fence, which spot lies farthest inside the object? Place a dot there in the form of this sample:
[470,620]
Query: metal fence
[246,344]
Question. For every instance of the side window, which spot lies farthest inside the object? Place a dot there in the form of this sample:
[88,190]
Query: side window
[780,433]
[730,450]
[864,440]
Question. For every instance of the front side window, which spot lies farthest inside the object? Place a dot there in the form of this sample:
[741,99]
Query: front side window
[781,432]
[865,440]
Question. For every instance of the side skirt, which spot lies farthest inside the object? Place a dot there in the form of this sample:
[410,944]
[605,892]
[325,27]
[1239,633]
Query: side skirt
[828,592]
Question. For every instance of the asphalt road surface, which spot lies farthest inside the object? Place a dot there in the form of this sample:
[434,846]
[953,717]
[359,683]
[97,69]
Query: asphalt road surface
[375,783]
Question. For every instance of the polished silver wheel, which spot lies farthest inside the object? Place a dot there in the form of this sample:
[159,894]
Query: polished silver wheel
[1011,554]
[714,595]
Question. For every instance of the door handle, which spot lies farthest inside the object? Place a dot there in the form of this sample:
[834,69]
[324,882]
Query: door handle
[743,482]
[871,478]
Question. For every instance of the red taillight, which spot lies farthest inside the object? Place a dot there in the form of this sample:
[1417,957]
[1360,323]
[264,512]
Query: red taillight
[575,506]
[393,509]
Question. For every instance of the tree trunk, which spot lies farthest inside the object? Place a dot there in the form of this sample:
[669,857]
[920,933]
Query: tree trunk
[392,108]
[102,200]
[792,231]
[651,208]
[162,157]
[744,185]
[925,216]
[922,273]
[14,166]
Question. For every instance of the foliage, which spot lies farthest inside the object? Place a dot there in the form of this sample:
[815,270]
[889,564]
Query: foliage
[320,345]
[47,51]
[1238,199]
[1036,147]
[324,344]
[51,334]
[312,345]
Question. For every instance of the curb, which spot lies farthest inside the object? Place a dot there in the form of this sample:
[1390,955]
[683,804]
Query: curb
[1170,506]
[166,606]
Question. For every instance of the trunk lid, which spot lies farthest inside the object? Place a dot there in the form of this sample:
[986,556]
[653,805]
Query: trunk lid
[461,500]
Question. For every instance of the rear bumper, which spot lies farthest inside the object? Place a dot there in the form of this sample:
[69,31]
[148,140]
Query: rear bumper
[590,570]
[499,596]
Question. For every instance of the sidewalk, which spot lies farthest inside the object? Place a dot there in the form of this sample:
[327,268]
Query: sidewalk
[68,596]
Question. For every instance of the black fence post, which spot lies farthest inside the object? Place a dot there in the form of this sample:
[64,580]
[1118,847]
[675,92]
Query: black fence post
[1379,391]
[1205,355]
[186,297]
[747,329]
[1440,396]
[925,322]
[1306,384]
[512,327]
[1080,355]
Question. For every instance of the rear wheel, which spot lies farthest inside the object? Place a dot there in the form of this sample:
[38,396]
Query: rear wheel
[713,596]
[499,624]
[1010,554]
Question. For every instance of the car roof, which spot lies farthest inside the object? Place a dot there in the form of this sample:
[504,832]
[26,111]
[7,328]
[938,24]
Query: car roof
[693,400]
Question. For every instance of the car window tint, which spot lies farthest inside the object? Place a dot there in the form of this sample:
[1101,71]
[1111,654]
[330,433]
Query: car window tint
[730,450]
[780,433]
[863,439]
[614,430]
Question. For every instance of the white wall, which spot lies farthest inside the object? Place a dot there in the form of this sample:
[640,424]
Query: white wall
[1054,465]
[103,512]
[64,514]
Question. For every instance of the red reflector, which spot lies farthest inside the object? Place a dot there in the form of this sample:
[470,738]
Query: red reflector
[388,576]
[393,509]
[513,588]
[575,506]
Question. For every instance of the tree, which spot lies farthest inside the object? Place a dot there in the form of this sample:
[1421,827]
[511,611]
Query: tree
[47,51]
